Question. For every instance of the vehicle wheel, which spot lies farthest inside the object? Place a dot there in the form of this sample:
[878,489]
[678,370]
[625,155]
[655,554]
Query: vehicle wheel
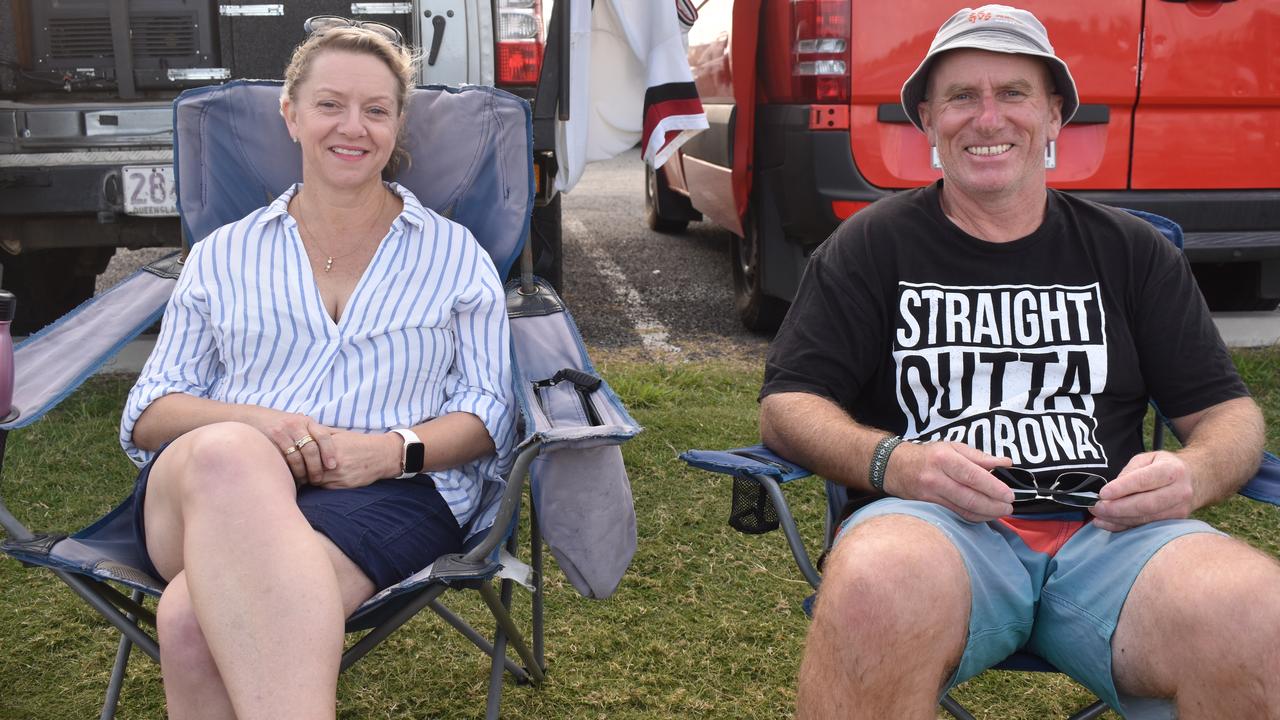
[666,211]
[548,249]
[50,283]
[759,312]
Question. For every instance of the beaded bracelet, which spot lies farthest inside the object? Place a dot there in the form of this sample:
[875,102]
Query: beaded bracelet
[880,460]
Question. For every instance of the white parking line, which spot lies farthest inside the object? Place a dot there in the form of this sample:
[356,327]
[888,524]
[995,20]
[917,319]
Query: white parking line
[653,334]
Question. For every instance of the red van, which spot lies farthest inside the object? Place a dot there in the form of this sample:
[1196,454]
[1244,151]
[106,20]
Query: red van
[1180,115]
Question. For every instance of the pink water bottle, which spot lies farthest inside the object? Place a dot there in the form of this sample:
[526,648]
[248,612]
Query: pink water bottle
[8,303]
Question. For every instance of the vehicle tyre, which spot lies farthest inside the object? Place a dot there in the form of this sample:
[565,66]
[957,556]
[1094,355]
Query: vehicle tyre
[545,234]
[759,312]
[666,211]
[50,283]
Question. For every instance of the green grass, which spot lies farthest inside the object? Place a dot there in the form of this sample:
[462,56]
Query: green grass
[707,622]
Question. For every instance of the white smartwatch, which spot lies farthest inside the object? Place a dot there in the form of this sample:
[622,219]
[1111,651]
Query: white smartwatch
[414,455]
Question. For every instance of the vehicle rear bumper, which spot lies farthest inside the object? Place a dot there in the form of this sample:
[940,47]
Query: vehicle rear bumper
[1220,225]
[74,206]
[67,190]
[804,171]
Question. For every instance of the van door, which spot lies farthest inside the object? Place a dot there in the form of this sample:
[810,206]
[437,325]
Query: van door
[456,37]
[1208,112]
[1098,39]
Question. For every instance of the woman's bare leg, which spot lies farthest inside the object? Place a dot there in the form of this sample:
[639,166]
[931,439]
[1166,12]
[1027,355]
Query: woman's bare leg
[193,686]
[262,585]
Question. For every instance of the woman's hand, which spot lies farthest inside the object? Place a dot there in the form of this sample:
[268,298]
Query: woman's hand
[307,445]
[360,459]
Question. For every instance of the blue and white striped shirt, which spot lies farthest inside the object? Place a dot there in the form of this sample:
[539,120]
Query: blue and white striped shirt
[423,334]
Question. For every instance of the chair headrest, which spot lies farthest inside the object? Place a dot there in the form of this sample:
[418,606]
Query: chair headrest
[471,151]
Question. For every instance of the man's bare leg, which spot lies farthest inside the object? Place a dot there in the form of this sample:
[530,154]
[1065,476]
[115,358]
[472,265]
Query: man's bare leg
[1202,625]
[890,624]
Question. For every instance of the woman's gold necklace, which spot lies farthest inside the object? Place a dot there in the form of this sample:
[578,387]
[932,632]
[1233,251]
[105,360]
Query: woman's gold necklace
[328,263]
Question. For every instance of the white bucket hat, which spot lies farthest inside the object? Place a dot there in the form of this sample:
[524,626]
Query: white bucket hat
[995,28]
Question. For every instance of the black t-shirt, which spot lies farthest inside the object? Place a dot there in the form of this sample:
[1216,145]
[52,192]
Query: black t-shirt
[1044,349]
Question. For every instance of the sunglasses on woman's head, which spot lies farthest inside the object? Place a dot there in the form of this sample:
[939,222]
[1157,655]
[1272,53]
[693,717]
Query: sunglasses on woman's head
[1067,489]
[324,23]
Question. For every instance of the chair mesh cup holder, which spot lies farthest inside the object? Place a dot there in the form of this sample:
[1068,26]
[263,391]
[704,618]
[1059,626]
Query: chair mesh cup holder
[752,511]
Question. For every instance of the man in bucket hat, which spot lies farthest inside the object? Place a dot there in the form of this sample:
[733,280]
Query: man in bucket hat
[1011,335]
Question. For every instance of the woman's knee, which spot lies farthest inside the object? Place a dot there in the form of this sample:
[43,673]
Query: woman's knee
[221,460]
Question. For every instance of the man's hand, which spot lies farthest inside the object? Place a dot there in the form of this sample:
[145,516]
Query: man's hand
[953,475]
[1153,486]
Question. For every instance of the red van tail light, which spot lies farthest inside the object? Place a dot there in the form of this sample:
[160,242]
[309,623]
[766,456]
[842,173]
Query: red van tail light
[820,52]
[844,208]
[519,41]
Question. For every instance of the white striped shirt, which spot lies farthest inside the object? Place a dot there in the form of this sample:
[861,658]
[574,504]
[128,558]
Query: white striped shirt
[423,334]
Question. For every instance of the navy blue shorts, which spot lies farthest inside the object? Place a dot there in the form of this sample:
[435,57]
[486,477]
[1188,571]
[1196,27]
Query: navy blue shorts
[390,529]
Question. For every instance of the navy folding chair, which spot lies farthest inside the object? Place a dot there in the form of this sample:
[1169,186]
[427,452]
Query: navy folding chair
[233,156]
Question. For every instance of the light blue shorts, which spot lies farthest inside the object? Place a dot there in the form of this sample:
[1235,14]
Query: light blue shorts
[1062,607]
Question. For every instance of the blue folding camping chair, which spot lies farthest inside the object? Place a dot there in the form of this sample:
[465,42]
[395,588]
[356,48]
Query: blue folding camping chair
[233,156]
[758,505]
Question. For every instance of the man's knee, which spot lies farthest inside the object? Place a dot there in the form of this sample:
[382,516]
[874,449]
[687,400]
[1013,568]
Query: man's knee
[1205,609]
[1210,584]
[896,575]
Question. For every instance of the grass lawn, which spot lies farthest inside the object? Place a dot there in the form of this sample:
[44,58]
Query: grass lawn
[707,623]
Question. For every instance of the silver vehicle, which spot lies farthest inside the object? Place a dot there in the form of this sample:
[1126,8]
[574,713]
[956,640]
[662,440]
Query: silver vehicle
[86,88]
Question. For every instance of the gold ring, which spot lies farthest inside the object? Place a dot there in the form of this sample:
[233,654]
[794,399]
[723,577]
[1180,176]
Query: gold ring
[302,442]
[290,451]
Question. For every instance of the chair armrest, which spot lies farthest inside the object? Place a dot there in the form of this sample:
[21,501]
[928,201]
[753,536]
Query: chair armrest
[744,462]
[758,503]
[55,361]
[1265,486]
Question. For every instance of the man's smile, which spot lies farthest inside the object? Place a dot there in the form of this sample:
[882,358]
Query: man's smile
[988,150]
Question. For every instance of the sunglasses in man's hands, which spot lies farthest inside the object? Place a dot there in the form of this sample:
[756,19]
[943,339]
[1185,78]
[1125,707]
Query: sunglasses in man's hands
[1074,489]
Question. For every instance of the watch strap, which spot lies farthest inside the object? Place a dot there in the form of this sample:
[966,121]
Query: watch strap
[409,436]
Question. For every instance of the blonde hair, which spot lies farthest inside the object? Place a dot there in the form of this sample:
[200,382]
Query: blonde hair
[399,60]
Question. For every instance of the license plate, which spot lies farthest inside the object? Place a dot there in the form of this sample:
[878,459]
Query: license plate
[149,190]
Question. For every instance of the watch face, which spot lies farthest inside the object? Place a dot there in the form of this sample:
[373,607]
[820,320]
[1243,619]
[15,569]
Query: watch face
[414,457]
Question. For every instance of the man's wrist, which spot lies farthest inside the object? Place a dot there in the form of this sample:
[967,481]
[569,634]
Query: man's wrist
[880,461]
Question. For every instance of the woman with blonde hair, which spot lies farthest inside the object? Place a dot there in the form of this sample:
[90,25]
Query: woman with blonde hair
[328,394]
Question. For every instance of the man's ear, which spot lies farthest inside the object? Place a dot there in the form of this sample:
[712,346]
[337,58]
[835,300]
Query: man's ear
[926,120]
[1055,117]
